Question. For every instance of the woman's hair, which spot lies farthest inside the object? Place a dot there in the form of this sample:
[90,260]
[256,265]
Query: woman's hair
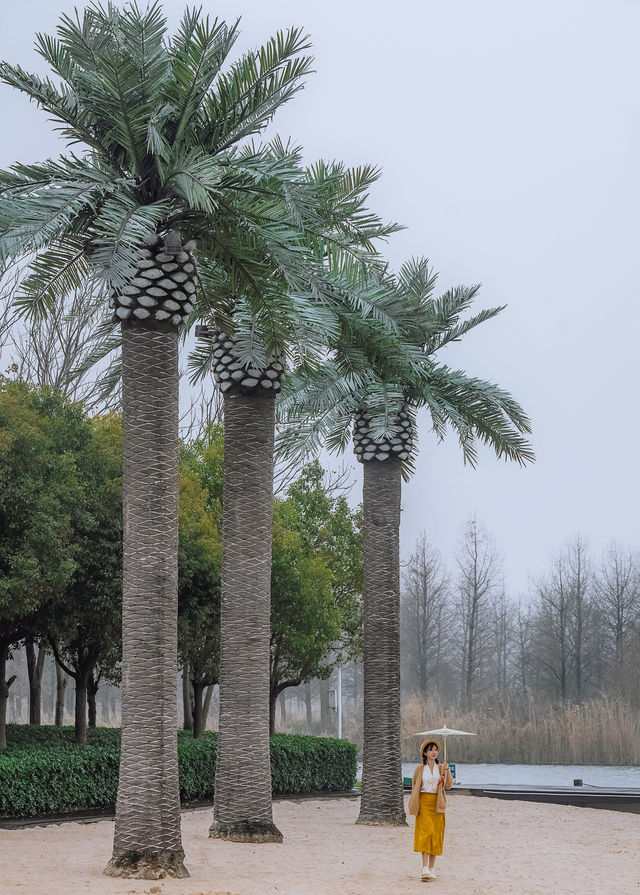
[424,751]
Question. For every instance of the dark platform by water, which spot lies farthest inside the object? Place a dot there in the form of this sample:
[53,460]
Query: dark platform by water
[585,796]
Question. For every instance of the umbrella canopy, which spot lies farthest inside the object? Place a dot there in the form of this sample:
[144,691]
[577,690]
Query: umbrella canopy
[445,732]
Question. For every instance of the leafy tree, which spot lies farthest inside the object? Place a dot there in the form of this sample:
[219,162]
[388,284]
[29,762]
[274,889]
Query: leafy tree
[84,626]
[315,584]
[199,558]
[334,531]
[38,488]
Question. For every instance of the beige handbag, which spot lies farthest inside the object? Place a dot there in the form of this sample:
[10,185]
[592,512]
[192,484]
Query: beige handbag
[441,797]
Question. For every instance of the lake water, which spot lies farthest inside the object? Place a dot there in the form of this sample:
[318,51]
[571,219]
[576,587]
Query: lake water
[540,775]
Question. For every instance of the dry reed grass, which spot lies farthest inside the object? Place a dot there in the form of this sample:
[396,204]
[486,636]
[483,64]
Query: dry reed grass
[600,731]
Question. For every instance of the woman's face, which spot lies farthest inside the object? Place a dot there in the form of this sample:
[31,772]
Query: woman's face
[432,752]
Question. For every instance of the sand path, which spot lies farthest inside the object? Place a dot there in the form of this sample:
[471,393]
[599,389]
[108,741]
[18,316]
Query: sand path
[491,848]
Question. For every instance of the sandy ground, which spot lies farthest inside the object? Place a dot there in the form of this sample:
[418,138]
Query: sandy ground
[491,848]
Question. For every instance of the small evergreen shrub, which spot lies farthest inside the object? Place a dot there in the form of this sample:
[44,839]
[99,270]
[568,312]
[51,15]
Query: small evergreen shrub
[43,772]
[304,764]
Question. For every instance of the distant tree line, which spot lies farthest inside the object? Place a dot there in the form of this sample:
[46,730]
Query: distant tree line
[577,636]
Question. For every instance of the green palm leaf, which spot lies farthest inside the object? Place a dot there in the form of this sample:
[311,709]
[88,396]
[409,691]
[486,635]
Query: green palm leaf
[244,101]
[119,231]
[60,269]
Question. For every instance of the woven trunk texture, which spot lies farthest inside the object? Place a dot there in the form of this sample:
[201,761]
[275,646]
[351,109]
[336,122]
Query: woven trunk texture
[242,809]
[382,795]
[147,841]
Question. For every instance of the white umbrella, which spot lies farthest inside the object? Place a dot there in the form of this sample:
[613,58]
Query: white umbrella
[445,732]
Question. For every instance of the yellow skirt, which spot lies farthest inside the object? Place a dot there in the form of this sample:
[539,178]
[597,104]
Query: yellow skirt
[429,831]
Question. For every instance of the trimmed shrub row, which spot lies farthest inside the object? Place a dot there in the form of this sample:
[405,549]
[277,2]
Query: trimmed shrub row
[42,772]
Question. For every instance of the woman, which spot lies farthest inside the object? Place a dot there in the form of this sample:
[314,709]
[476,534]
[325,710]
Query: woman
[428,777]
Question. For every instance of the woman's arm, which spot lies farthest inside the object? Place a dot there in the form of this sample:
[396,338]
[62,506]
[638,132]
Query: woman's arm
[446,773]
[414,798]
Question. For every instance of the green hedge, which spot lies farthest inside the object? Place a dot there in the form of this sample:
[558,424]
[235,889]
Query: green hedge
[43,772]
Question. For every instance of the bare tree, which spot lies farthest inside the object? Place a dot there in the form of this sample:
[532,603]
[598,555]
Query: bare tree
[565,623]
[205,409]
[426,589]
[524,647]
[71,350]
[552,624]
[503,640]
[9,281]
[581,584]
[479,578]
[617,594]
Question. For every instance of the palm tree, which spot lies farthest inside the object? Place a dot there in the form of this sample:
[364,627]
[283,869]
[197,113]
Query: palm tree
[382,405]
[164,167]
[249,361]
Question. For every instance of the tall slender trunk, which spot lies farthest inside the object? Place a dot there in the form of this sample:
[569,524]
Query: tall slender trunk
[198,723]
[308,705]
[4,691]
[273,701]
[81,707]
[207,705]
[147,841]
[242,800]
[382,796]
[62,679]
[93,685]
[325,711]
[35,666]
[187,697]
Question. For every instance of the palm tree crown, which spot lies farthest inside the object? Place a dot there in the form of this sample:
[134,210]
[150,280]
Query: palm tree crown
[163,131]
[318,406]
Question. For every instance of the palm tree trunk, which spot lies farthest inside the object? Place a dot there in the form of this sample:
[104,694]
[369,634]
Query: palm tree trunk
[382,796]
[242,802]
[147,842]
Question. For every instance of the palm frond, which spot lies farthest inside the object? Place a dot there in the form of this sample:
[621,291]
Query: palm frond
[197,53]
[55,272]
[77,124]
[244,100]
[119,231]
[29,222]
[478,409]
[196,177]
[117,62]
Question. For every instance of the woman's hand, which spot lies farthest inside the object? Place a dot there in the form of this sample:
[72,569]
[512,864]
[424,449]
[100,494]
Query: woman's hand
[445,767]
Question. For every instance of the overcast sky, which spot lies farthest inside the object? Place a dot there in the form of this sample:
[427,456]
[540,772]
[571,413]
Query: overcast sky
[509,138]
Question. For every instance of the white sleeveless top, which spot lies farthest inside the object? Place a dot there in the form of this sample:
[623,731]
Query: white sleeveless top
[430,780]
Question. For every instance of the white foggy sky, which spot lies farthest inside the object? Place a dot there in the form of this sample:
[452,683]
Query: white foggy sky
[508,134]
